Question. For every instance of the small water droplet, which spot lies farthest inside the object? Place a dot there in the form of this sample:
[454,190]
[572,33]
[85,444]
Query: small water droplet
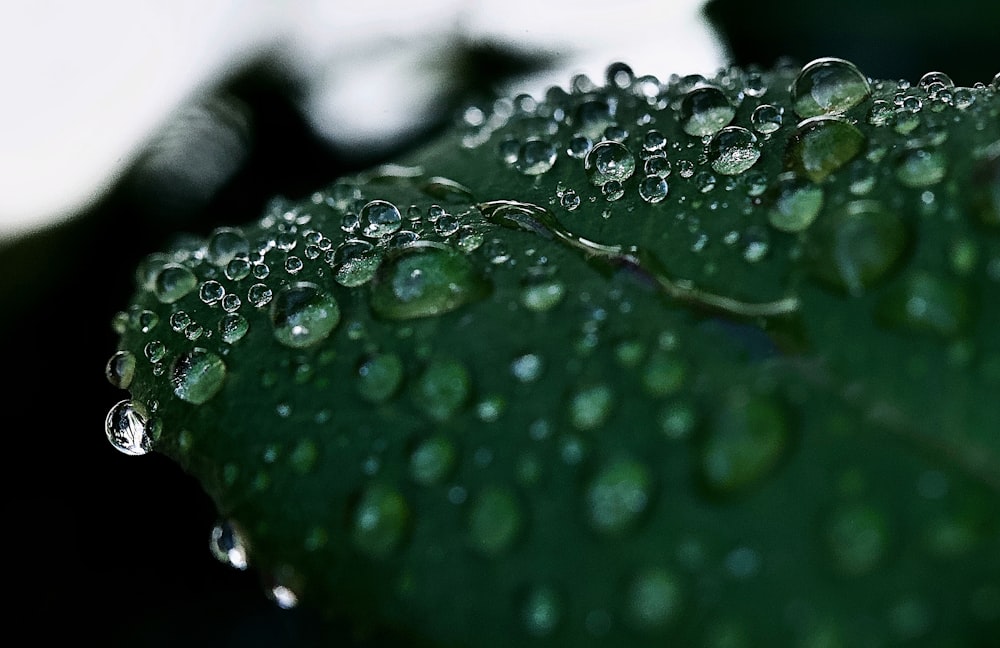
[259,295]
[535,157]
[657,165]
[733,150]
[590,407]
[618,495]
[380,218]
[227,545]
[704,111]
[120,369]
[527,368]
[653,599]
[827,86]
[495,520]
[924,302]
[766,118]
[128,428]
[380,521]
[542,296]
[579,146]
[443,389]
[432,461]
[609,161]
[653,189]
[303,315]
[197,375]
[541,611]
[211,292]
[232,327]
[379,377]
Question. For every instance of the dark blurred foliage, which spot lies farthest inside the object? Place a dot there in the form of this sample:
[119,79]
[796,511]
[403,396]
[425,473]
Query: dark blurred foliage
[112,550]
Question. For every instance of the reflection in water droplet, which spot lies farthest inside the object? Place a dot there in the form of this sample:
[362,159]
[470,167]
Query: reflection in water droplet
[120,369]
[733,150]
[228,546]
[705,110]
[618,495]
[197,375]
[495,520]
[821,145]
[303,315]
[828,85]
[424,281]
[380,521]
[127,428]
[173,282]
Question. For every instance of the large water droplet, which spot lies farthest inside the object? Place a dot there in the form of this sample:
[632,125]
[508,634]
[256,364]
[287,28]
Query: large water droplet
[747,438]
[733,150]
[856,244]
[197,375]
[618,495]
[495,520]
[609,161]
[127,428]
[380,521]
[303,315]
[821,145]
[173,281]
[424,280]
[857,538]
[795,203]
[704,111]
[828,85]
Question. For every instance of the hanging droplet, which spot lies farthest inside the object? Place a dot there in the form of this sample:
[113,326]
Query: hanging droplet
[197,375]
[828,86]
[609,161]
[425,280]
[127,428]
[704,111]
[303,315]
[733,150]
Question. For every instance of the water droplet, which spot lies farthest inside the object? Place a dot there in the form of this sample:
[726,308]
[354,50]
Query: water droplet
[535,157]
[541,611]
[237,269]
[857,537]
[733,150]
[380,218]
[704,111]
[303,315]
[259,295]
[935,78]
[592,116]
[495,520]
[856,244]
[924,302]
[154,350]
[653,189]
[227,545]
[677,420]
[425,280]
[380,521]
[570,200]
[658,166]
[355,262]
[795,203]
[380,377]
[173,281]
[664,374]
[225,244]
[579,146]
[197,375]
[881,113]
[120,369]
[527,368]
[821,145]
[211,291]
[747,438]
[921,167]
[128,428]
[827,86]
[443,389]
[618,495]
[766,118]
[542,296]
[233,327]
[609,161]
[432,461]
[654,141]
[653,599]
[590,407]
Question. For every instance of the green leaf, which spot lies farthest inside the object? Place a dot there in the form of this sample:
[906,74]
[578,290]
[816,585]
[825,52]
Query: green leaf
[709,361]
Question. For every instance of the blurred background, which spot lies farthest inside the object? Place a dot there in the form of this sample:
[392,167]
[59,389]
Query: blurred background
[124,124]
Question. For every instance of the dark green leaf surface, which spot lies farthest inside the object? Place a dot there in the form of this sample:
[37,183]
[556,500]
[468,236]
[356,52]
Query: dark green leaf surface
[707,361]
